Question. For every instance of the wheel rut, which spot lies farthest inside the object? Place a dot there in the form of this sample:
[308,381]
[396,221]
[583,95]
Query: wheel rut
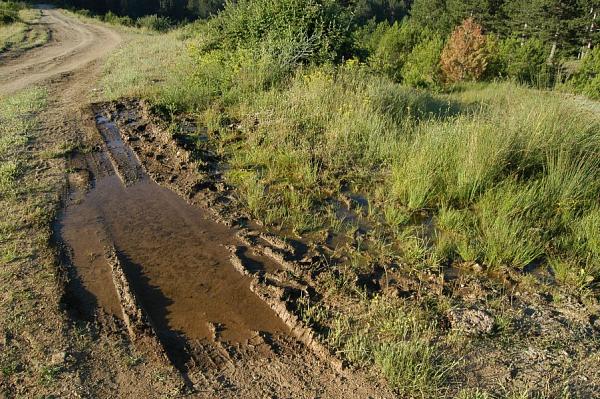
[205,294]
[174,258]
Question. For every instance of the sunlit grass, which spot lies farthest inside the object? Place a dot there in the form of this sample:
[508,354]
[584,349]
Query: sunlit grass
[23,34]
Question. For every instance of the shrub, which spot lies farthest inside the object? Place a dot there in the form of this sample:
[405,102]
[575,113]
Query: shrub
[421,68]
[464,57]
[587,79]
[496,65]
[525,61]
[115,19]
[367,37]
[394,48]
[319,28]
[9,12]
[154,22]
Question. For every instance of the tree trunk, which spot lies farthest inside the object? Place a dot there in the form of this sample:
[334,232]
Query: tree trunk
[553,49]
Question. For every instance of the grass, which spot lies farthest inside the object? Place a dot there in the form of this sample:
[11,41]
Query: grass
[399,340]
[28,202]
[23,32]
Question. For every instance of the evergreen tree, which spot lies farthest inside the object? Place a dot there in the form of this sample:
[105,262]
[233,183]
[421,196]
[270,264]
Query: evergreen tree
[431,14]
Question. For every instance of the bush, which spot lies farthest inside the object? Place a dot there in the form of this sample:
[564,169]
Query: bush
[587,79]
[367,37]
[394,48]
[9,12]
[154,22]
[525,61]
[464,57]
[317,31]
[115,19]
[421,68]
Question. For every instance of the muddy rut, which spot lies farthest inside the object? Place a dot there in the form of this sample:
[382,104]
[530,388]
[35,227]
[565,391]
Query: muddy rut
[182,283]
[175,257]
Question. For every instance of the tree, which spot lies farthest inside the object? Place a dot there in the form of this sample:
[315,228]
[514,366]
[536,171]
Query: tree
[380,10]
[395,45]
[459,10]
[587,79]
[422,66]
[558,23]
[464,56]
[431,14]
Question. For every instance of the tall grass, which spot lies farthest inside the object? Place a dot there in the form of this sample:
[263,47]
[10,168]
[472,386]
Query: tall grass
[400,341]
[523,165]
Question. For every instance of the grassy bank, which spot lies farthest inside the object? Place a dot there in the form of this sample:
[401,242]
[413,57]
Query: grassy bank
[28,273]
[19,28]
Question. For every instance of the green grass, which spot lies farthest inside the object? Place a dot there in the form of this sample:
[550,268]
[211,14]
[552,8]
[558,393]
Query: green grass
[16,126]
[399,340]
[23,32]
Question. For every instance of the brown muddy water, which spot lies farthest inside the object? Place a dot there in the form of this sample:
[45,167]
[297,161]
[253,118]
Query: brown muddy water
[175,257]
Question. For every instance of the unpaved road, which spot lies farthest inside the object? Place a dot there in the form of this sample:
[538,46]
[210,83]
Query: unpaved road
[73,45]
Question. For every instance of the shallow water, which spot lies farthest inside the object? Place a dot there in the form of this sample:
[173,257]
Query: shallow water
[174,255]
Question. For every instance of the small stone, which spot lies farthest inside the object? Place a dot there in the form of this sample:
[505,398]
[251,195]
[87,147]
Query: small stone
[477,268]
[59,358]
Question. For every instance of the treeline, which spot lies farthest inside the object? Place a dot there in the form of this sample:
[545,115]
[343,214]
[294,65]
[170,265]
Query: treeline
[567,27]
[531,41]
[423,43]
[175,9]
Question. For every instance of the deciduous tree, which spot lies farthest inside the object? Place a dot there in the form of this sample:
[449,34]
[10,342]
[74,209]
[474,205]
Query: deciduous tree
[464,56]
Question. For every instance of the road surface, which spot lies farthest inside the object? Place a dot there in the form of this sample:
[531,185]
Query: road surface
[73,45]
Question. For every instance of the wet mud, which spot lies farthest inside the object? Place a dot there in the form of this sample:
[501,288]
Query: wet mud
[154,247]
[175,258]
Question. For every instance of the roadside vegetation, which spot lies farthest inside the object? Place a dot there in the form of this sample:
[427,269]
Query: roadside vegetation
[19,28]
[27,201]
[413,150]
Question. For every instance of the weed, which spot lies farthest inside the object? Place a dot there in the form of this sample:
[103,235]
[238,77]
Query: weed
[49,374]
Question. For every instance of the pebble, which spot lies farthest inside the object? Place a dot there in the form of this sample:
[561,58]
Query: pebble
[59,358]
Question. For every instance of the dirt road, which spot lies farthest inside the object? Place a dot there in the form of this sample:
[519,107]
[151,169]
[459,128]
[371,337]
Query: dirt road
[73,45]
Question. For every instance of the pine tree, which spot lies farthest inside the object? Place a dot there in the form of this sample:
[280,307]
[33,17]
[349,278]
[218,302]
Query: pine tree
[432,14]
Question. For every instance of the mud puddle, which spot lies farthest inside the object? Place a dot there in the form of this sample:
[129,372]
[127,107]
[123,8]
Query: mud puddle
[175,257]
